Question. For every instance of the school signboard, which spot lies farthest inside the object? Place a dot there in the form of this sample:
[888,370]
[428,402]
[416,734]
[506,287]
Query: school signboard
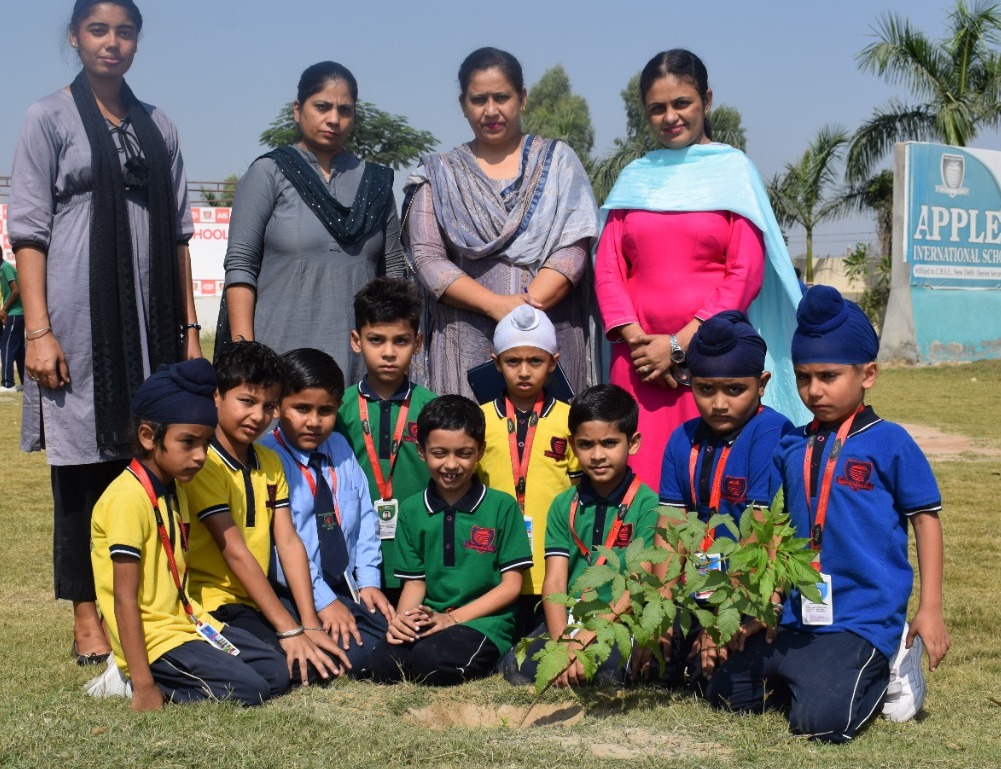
[945,299]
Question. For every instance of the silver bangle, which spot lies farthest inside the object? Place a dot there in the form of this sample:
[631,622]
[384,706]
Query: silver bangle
[293,633]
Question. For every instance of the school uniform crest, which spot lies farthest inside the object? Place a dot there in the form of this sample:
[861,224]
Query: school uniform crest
[624,536]
[857,475]
[481,539]
[734,489]
[557,449]
[410,434]
[271,502]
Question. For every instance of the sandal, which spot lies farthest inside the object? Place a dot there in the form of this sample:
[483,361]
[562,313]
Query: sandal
[88,659]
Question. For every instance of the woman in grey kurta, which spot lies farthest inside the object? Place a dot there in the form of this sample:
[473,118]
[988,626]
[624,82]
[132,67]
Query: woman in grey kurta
[60,193]
[504,219]
[294,263]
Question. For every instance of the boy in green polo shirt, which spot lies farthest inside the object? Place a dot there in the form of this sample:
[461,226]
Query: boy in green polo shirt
[461,550]
[378,416]
[610,508]
[12,321]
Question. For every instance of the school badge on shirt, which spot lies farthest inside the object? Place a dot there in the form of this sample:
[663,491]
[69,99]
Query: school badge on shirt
[857,475]
[557,449]
[481,540]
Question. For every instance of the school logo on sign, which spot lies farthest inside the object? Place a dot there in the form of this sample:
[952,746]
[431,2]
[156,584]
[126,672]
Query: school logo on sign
[481,540]
[953,172]
[857,475]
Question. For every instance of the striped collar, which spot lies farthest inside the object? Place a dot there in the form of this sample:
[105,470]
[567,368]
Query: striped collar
[232,462]
[501,407]
[468,504]
[401,394]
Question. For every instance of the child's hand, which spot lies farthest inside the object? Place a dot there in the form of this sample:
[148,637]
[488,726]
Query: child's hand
[324,643]
[748,628]
[146,698]
[431,621]
[708,653]
[301,649]
[375,600]
[572,676]
[338,621]
[641,667]
[405,627]
[930,625]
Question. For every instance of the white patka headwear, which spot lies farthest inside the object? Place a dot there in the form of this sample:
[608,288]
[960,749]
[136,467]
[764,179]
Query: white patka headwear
[525,326]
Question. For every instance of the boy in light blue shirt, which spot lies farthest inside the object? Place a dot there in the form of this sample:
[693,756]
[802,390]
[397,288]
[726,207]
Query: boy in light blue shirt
[331,507]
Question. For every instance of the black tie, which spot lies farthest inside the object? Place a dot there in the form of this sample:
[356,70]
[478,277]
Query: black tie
[333,548]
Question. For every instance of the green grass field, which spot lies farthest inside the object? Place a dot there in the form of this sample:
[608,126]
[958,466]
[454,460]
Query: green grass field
[47,721]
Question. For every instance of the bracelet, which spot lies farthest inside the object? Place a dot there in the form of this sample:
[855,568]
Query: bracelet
[196,326]
[294,632]
[314,629]
[38,333]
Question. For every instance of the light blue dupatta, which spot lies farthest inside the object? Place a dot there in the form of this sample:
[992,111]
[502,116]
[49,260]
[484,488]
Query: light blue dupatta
[717,177]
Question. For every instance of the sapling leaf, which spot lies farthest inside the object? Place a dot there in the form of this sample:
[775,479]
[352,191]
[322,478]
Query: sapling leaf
[553,660]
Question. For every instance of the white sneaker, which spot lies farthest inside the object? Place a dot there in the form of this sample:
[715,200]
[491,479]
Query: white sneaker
[906,690]
[4,389]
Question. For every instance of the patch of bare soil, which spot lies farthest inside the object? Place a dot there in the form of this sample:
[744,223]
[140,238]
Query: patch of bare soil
[939,445]
[444,715]
[639,743]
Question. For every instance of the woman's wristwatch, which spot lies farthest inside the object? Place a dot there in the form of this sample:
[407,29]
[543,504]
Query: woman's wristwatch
[677,352]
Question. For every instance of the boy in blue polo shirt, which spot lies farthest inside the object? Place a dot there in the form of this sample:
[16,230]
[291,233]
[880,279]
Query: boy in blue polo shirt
[851,482]
[722,461]
[462,549]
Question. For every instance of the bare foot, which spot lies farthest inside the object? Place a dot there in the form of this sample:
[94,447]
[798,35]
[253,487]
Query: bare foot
[88,630]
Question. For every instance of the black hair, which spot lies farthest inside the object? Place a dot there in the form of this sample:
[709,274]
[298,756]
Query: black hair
[385,300]
[249,363]
[315,78]
[451,412]
[159,434]
[488,58]
[82,7]
[684,65]
[605,403]
[308,367]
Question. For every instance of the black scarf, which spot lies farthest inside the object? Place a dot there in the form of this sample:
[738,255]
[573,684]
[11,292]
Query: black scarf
[114,318]
[346,225]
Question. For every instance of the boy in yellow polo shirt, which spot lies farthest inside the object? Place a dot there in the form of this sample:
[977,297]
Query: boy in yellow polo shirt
[240,512]
[528,453]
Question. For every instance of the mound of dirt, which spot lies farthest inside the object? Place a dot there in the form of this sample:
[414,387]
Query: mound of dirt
[446,715]
[939,445]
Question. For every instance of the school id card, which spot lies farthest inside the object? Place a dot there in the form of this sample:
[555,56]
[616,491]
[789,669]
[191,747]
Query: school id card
[821,613]
[388,511]
[214,637]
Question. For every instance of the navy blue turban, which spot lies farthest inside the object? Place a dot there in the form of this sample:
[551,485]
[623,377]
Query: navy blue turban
[178,394]
[726,345]
[831,329]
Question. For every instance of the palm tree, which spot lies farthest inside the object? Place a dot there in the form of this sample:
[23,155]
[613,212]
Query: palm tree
[808,193]
[956,83]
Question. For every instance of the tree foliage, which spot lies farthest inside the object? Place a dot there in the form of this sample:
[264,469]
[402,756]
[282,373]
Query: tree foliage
[765,556]
[223,197]
[553,110]
[809,192]
[377,136]
[639,139]
[955,83]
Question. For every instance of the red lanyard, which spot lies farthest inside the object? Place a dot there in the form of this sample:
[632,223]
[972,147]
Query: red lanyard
[627,500]
[140,472]
[519,460]
[308,475]
[824,492]
[715,490]
[384,484]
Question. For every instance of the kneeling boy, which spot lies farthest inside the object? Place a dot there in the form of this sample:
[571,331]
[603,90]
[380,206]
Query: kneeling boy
[611,508]
[851,481]
[462,548]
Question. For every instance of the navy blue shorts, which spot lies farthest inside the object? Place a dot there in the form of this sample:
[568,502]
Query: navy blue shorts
[831,683]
